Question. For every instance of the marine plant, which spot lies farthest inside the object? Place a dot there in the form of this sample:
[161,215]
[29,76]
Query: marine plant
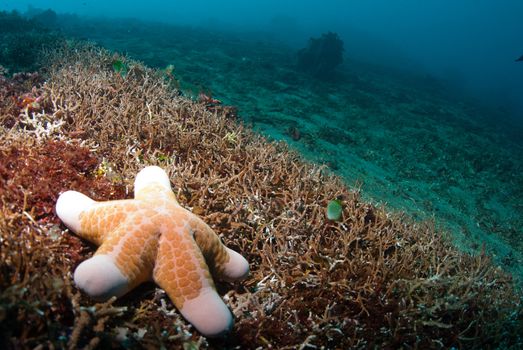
[334,210]
[120,67]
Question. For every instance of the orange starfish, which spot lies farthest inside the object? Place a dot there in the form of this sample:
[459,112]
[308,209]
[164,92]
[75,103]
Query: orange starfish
[153,237]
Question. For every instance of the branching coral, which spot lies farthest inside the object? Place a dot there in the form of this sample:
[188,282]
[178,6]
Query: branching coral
[373,279]
[19,93]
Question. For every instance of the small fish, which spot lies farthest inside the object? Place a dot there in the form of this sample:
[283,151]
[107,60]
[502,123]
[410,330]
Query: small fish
[519,59]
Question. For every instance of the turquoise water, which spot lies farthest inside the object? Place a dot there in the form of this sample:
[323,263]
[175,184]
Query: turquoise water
[403,138]
[386,118]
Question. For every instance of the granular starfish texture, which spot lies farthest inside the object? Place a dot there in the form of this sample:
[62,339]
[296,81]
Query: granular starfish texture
[153,237]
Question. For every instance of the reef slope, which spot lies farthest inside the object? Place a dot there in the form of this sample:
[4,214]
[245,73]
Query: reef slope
[373,279]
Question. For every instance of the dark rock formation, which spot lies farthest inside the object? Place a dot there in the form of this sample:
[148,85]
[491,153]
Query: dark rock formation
[322,55]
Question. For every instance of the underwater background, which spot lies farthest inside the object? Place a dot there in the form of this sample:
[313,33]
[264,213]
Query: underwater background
[421,106]
[365,157]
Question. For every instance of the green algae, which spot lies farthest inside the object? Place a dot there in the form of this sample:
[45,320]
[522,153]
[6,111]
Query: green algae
[334,210]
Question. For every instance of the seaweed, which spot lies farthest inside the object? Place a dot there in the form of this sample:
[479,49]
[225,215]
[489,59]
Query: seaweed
[32,176]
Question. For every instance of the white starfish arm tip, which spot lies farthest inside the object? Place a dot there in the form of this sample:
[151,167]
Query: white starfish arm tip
[237,268]
[100,278]
[70,205]
[149,175]
[208,313]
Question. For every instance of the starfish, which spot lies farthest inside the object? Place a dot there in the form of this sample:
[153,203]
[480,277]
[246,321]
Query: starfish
[152,237]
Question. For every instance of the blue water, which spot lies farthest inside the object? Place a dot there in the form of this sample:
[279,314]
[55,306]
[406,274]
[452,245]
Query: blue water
[470,44]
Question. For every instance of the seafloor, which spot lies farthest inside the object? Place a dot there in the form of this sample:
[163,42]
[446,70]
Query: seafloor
[405,140]
[89,119]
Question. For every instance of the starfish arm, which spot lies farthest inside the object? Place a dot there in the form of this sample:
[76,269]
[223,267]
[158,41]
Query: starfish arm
[151,179]
[181,271]
[124,260]
[89,219]
[69,207]
[151,236]
[100,278]
[225,263]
